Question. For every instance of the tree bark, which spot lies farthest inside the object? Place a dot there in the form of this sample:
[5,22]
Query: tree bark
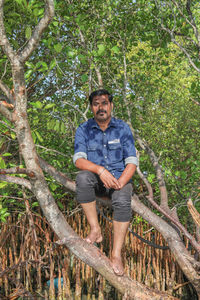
[186,261]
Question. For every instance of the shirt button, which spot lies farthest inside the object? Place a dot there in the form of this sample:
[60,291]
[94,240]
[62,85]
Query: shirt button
[104,133]
[105,156]
[104,145]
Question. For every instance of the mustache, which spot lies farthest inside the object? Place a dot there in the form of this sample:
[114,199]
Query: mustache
[101,111]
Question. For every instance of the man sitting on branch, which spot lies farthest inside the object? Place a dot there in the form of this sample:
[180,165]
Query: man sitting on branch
[106,155]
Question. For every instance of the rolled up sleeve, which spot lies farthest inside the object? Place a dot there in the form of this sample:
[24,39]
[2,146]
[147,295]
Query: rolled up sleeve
[80,149]
[129,151]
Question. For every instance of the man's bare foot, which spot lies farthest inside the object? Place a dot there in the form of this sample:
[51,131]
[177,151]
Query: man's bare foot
[94,236]
[117,265]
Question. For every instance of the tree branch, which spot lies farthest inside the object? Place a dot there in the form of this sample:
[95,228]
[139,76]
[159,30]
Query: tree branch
[6,113]
[159,172]
[17,180]
[173,39]
[5,124]
[39,29]
[59,176]
[5,89]
[4,42]
[17,170]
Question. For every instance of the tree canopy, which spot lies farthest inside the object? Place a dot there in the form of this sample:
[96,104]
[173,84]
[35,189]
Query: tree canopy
[144,52]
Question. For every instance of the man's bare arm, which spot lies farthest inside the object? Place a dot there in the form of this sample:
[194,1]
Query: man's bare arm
[106,177]
[126,175]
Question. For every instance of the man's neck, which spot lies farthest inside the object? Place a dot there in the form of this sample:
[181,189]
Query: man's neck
[104,124]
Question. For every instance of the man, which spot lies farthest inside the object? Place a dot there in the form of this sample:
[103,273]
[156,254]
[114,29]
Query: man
[105,152]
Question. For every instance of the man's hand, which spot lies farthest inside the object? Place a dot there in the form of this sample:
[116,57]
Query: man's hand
[109,180]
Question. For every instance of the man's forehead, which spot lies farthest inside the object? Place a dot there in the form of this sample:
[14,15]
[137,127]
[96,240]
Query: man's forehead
[100,98]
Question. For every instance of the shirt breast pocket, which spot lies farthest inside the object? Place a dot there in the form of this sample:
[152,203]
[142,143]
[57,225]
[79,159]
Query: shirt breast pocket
[115,152]
[93,152]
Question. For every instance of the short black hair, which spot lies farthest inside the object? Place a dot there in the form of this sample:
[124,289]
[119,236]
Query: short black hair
[100,93]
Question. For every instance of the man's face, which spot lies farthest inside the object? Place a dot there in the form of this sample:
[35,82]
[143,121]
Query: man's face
[101,108]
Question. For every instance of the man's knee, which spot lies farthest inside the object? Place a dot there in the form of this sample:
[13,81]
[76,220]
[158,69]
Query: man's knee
[85,183]
[121,202]
[122,214]
[85,178]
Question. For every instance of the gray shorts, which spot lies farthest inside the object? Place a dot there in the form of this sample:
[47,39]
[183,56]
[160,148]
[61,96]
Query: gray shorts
[89,185]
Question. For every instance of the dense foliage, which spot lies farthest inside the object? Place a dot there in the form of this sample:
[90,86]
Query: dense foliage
[121,45]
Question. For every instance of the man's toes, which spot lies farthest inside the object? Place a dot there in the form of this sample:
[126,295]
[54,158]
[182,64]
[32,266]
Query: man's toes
[118,267]
[118,271]
[88,240]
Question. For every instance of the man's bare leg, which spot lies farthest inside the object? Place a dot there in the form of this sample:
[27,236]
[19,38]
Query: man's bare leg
[92,218]
[120,230]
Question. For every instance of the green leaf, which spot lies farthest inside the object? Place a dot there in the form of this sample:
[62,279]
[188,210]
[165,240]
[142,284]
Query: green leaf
[29,64]
[71,53]
[62,127]
[57,126]
[50,105]
[2,163]
[3,184]
[13,135]
[36,104]
[52,64]
[35,204]
[53,186]
[84,78]
[39,136]
[101,49]
[58,47]
[7,154]
[115,49]
[28,32]
[61,206]
[28,74]
[3,211]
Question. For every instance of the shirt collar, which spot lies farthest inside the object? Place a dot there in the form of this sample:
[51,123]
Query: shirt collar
[111,124]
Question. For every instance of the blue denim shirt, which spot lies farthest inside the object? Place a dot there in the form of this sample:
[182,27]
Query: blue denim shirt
[113,148]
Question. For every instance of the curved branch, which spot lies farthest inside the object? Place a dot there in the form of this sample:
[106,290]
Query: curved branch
[6,113]
[5,89]
[4,42]
[39,29]
[57,175]
[186,261]
[17,170]
[159,172]
[17,180]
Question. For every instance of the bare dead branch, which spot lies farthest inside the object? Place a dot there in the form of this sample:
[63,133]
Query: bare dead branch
[52,150]
[146,182]
[194,213]
[159,172]
[75,107]
[195,101]
[17,170]
[193,23]
[17,180]
[171,32]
